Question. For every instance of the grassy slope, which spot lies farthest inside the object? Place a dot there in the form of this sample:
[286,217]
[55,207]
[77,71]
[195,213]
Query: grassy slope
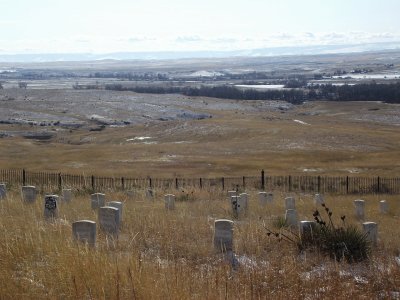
[164,254]
[341,138]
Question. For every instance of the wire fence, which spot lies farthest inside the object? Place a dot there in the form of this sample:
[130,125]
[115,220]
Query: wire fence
[288,183]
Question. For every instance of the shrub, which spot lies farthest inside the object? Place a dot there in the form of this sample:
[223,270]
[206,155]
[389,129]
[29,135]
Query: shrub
[345,242]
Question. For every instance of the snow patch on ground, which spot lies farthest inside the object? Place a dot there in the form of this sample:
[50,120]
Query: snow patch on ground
[301,122]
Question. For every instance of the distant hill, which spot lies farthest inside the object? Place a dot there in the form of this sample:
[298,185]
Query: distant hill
[162,55]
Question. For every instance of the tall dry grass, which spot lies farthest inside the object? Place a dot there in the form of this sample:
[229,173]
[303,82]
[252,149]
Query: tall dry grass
[168,254]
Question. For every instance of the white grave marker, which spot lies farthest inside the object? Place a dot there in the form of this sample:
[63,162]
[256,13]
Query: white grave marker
[66,195]
[169,201]
[290,203]
[50,206]
[359,207]
[291,217]
[149,194]
[3,190]
[307,227]
[97,200]
[239,205]
[131,193]
[371,230]
[85,231]
[383,207]
[265,198]
[119,205]
[109,219]
[270,197]
[28,193]
[223,235]
[262,198]
[244,200]
[318,199]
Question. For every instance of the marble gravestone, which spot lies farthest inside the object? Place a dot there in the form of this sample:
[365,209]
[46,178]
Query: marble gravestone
[244,200]
[223,235]
[359,209]
[291,217]
[97,200]
[371,231]
[264,198]
[3,190]
[318,199]
[66,195]
[51,206]
[85,231]
[169,200]
[239,205]
[290,203]
[29,193]
[109,220]
[119,205]
[383,207]
[149,194]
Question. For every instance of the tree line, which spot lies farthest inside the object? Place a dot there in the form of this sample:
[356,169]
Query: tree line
[389,93]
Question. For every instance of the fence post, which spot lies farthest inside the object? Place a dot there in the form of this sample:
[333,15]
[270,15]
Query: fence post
[176,183]
[123,183]
[379,185]
[93,182]
[59,181]
[319,184]
[201,183]
[347,184]
[150,183]
[262,180]
[244,183]
[290,183]
[223,183]
[23,177]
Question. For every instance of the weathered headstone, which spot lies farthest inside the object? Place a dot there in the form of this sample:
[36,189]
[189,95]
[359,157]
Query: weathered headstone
[109,219]
[51,206]
[290,203]
[169,201]
[131,193]
[239,205]
[244,200]
[359,209]
[264,198]
[307,228]
[149,194]
[66,195]
[3,190]
[371,230]
[270,197]
[235,205]
[85,231]
[97,200]
[318,199]
[119,205]
[29,193]
[223,235]
[383,207]
[291,217]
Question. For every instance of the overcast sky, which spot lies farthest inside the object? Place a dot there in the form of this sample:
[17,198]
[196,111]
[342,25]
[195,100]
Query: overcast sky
[99,26]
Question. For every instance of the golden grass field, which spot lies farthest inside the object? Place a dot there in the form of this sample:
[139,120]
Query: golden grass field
[169,254]
[334,139]
[164,254]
